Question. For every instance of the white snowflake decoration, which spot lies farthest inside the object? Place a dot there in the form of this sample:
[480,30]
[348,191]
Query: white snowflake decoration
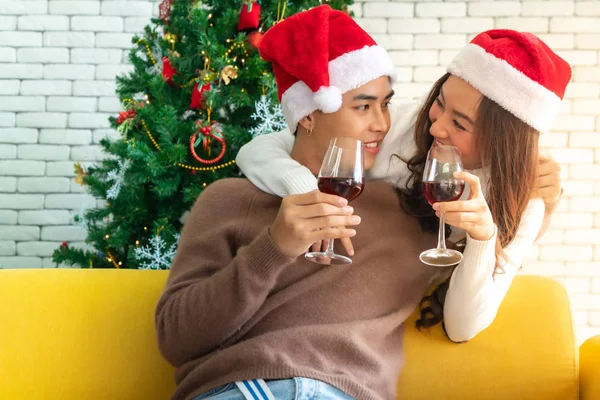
[118,177]
[78,216]
[154,255]
[270,117]
[187,115]
[80,219]
[155,69]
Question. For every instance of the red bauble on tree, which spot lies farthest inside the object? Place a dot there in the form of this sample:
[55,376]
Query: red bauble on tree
[249,16]
[198,92]
[168,70]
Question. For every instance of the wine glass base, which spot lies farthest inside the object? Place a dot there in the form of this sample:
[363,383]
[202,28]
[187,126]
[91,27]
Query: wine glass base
[441,258]
[321,257]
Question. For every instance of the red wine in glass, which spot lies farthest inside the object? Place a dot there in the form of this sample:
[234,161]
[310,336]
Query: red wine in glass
[436,192]
[347,188]
[440,185]
[342,174]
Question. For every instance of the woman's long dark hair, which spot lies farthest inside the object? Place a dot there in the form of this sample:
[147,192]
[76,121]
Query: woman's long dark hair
[508,148]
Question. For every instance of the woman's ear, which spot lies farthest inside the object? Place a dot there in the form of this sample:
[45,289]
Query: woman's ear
[308,122]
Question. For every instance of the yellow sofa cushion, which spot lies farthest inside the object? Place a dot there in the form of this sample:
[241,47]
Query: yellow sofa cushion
[528,353]
[589,373]
[89,334]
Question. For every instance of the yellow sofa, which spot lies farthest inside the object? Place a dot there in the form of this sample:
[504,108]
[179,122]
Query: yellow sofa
[69,334]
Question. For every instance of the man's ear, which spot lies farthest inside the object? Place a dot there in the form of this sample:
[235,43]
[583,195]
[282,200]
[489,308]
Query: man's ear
[308,122]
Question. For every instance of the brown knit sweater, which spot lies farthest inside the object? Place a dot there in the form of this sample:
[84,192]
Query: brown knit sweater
[235,307]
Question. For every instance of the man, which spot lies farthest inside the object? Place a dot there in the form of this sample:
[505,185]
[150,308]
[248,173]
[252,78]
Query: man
[244,314]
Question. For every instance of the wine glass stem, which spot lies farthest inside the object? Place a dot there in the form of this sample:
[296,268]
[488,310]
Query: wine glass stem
[442,234]
[330,247]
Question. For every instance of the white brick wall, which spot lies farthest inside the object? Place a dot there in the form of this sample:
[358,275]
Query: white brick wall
[59,58]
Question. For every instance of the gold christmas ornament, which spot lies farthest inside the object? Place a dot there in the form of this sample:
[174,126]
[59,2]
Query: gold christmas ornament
[80,174]
[228,73]
[171,38]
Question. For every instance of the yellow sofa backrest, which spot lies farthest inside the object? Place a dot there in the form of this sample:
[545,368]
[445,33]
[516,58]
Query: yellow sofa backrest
[69,334]
[528,353]
[89,335]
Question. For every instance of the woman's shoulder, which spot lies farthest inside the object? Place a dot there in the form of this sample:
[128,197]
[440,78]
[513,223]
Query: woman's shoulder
[403,115]
[402,129]
[398,146]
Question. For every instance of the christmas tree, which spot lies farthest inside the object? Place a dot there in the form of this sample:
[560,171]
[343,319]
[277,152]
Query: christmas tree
[198,92]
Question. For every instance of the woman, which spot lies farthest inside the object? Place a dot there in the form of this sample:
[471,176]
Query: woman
[501,92]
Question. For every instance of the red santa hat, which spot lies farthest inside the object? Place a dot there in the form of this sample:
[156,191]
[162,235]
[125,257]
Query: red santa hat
[516,70]
[317,55]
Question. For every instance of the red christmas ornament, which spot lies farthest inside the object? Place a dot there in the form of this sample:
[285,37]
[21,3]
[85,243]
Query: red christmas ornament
[122,117]
[65,245]
[198,100]
[168,71]
[164,9]
[249,16]
[254,38]
[213,133]
[125,115]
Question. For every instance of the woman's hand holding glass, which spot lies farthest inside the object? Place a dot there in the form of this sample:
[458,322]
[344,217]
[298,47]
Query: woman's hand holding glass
[473,215]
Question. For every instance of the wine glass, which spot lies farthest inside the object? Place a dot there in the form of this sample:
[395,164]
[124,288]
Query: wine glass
[342,174]
[439,185]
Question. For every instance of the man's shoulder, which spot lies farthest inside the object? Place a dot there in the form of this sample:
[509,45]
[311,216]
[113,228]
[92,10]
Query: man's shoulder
[226,184]
[233,188]
[226,198]
[233,191]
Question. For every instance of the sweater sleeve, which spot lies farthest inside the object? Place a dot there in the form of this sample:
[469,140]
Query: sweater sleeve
[215,285]
[475,293]
[266,162]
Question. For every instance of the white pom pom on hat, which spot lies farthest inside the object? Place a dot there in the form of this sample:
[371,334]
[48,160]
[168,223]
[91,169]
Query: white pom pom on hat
[328,99]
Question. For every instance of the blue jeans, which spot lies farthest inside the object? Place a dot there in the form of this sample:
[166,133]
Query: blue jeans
[285,389]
